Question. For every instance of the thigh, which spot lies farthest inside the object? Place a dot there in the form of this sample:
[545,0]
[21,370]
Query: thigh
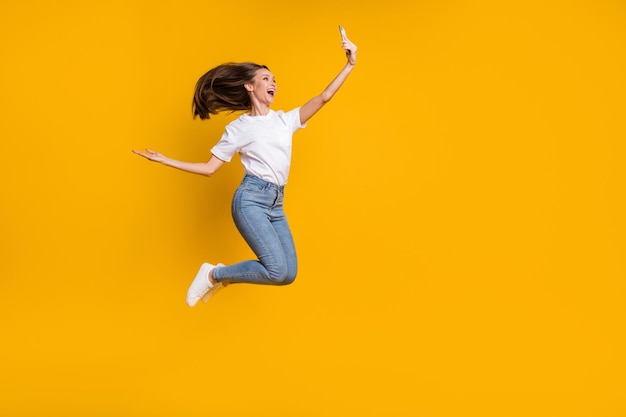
[283,232]
[251,213]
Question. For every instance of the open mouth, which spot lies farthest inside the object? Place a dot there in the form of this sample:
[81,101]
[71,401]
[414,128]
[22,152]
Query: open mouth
[271,92]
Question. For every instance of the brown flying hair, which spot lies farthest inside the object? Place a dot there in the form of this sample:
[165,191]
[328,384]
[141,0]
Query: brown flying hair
[222,88]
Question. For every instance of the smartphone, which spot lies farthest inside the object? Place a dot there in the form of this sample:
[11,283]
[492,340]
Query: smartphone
[343,37]
[343,32]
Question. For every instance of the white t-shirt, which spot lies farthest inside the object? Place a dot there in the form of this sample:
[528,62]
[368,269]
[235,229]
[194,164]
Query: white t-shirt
[264,143]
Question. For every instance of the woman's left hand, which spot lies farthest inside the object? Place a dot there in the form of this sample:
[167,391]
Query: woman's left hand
[350,49]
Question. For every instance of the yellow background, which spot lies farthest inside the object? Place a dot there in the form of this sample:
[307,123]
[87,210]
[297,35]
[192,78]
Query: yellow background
[458,210]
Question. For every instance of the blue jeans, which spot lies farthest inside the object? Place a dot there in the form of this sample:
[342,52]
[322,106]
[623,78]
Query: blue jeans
[258,213]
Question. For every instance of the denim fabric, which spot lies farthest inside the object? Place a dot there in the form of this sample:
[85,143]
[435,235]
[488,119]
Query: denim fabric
[258,213]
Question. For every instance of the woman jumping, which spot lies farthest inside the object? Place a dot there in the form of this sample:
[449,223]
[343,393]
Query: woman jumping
[263,139]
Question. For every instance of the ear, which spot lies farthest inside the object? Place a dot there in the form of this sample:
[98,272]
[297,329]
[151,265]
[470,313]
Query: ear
[248,87]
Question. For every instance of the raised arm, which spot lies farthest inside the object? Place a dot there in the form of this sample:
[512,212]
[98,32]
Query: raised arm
[202,168]
[316,103]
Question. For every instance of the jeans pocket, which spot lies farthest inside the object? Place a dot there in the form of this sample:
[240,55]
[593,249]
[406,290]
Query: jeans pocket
[253,187]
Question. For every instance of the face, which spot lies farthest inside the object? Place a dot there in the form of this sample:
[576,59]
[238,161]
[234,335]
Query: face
[263,87]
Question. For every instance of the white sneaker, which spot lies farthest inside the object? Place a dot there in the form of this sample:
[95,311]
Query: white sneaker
[215,288]
[200,285]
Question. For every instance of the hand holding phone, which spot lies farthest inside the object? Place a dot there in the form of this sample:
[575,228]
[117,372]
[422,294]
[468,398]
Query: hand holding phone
[342,31]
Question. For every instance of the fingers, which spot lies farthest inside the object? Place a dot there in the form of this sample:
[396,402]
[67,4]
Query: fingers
[348,46]
[148,154]
[350,49]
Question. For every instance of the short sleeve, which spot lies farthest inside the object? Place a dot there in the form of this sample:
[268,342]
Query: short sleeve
[292,119]
[227,145]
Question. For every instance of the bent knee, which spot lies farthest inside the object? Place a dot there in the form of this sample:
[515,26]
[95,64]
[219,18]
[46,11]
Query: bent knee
[289,278]
[282,277]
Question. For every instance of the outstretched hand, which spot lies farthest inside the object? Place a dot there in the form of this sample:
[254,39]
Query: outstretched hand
[151,155]
[350,49]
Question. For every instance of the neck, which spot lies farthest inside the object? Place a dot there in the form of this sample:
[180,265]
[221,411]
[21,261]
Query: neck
[259,109]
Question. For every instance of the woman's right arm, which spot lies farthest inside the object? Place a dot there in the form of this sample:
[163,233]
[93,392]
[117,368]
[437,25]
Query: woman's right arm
[201,168]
